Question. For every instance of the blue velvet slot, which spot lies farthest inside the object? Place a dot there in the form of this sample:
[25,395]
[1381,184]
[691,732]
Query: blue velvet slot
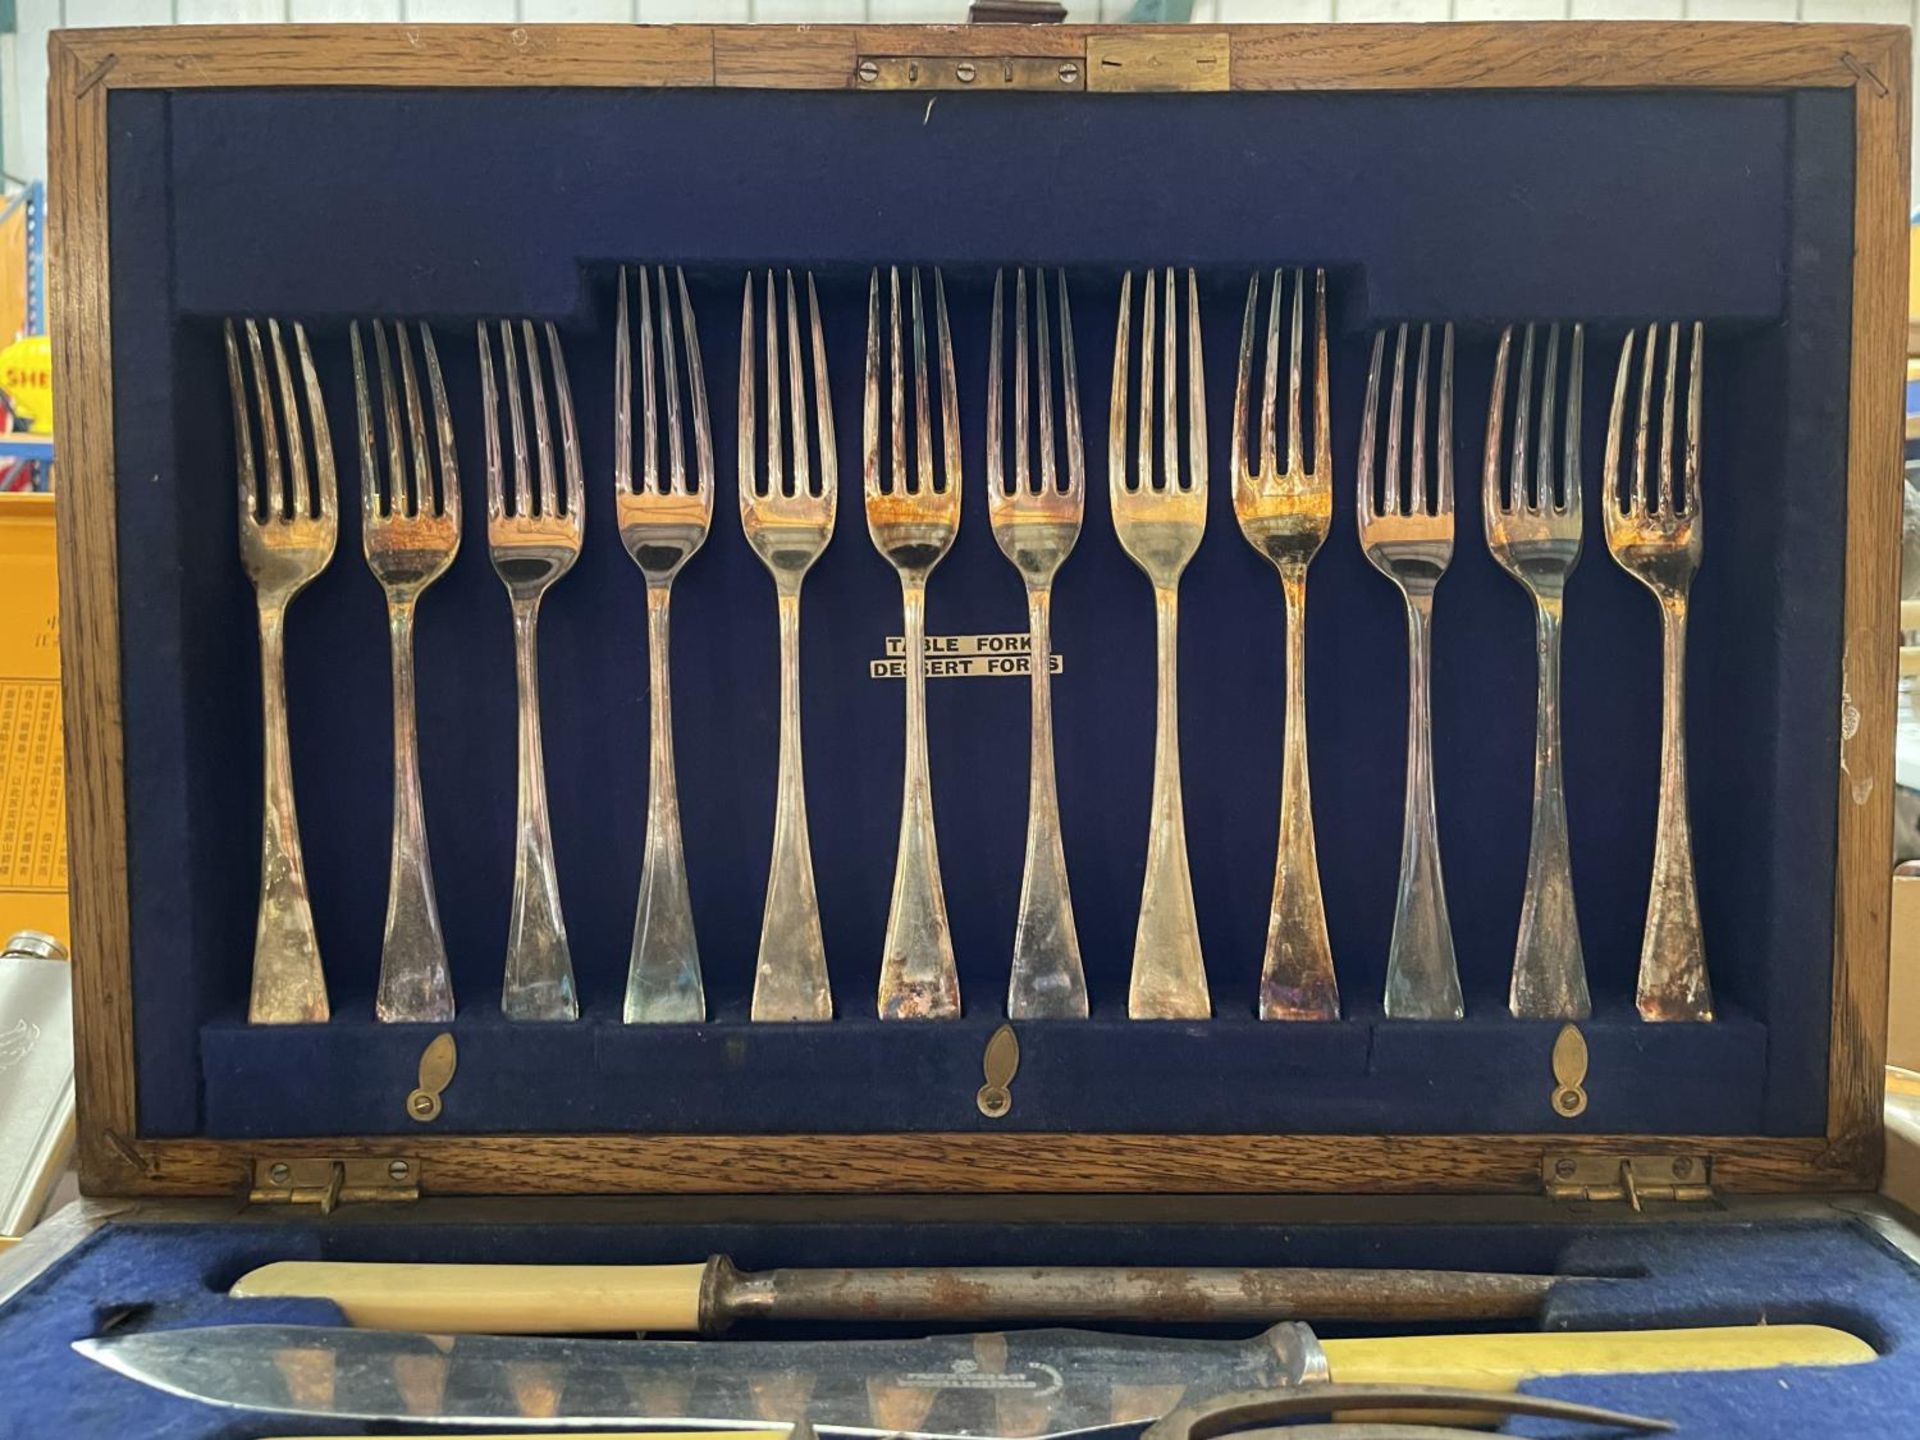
[1674,1274]
[1475,207]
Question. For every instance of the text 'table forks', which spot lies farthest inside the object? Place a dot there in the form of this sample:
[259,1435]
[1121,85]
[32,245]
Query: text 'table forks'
[287,535]
[1036,519]
[1406,530]
[1533,530]
[410,530]
[663,520]
[533,535]
[1284,513]
[1654,530]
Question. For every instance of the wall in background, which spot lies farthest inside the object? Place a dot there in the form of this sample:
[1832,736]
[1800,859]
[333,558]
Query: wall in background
[23,55]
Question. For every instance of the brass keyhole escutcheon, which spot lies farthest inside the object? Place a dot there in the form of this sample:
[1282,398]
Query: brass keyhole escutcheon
[437,1064]
[1569,1073]
[1001,1061]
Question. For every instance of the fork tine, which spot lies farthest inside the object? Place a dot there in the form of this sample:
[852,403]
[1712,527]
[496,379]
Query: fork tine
[1170,387]
[746,426]
[1417,503]
[823,399]
[391,486]
[1196,388]
[422,497]
[922,417]
[363,417]
[1576,356]
[1490,501]
[1022,433]
[1117,396]
[1616,502]
[1145,479]
[443,428]
[1243,378]
[649,392]
[1270,384]
[996,401]
[797,396]
[1549,495]
[569,431]
[280,502]
[1518,489]
[523,487]
[490,418]
[301,498]
[546,503]
[1043,345]
[623,394]
[696,393]
[870,406]
[949,387]
[1665,506]
[242,429]
[1443,423]
[1391,498]
[670,373]
[1322,382]
[1369,429]
[1649,359]
[1070,396]
[324,476]
[899,390]
[1690,473]
[777,481]
[1296,461]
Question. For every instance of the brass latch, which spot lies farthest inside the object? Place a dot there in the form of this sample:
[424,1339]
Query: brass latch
[968,72]
[1632,1178]
[329,1183]
[1156,61]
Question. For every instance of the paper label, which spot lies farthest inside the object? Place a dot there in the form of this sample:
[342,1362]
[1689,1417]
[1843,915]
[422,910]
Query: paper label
[951,657]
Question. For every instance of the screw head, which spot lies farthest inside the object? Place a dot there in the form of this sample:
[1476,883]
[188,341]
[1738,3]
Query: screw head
[1682,1166]
[964,74]
[868,72]
[1069,74]
[1564,1168]
[281,1173]
[398,1170]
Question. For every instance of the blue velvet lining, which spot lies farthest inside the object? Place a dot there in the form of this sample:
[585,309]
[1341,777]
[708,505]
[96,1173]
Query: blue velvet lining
[1674,1274]
[1478,207]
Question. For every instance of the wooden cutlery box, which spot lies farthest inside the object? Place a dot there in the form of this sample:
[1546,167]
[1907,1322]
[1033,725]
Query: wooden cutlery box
[1750,177]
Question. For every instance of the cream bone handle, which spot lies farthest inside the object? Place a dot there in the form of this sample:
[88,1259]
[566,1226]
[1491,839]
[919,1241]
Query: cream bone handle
[576,1299]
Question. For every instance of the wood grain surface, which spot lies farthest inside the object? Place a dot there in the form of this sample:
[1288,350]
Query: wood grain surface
[1870,61]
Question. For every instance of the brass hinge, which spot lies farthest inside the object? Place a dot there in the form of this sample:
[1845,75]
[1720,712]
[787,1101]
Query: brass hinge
[329,1183]
[1156,61]
[1611,1178]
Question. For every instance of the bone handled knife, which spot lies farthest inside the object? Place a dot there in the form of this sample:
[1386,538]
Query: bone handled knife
[706,1299]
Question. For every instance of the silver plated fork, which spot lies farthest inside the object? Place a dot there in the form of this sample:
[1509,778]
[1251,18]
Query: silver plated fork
[287,535]
[1036,521]
[410,530]
[1654,530]
[1533,521]
[788,520]
[533,535]
[1159,515]
[662,521]
[912,515]
[1285,514]
[1406,530]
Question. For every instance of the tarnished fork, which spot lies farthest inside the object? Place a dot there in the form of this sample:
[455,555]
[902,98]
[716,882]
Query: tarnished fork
[1285,513]
[288,527]
[1654,530]
[410,530]
[1406,530]
[1533,521]
[788,519]
[1159,515]
[912,515]
[533,535]
[663,519]
[1036,520]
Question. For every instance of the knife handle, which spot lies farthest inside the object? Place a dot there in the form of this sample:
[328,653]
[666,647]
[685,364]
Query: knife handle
[476,1299]
[1501,1362]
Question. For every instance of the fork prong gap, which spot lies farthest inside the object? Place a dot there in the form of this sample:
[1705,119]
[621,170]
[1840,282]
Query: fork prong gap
[420,498]
[1196,390]
[1667,434]
[1418,477]
[1549,494]
[1520,487]
[1643,499]
[1043,360]
[546,501]
[1145,479]
[670,375]
[523,486]
[301,494]
[279,506]
[899,391]
[922,414]
[1022,430]
[649,391]
[802,481]
[777,479]
[1170,386]
[1443,426]
[389,493]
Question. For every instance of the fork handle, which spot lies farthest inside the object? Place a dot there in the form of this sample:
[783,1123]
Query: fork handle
[1048,981]
[1423,981]
[413,955]
[1169,975]
[288,985]
[1673,965]
[663,971]
[918,979]
[539,980]
[1296,979]
[1549,971]
[790,978]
